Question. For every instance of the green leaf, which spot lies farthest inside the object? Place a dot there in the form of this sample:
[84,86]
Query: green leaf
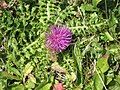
[78,62]
[95,2]
[88,7]
[113,20]
[115,84]
[110,38]
[98,85]
[32,78]
[14,70]
[46,87]
[8,76]
[30,84]
[109,76]
[19,87]
[1,87]
[102,64]
[28,68]
[41,85]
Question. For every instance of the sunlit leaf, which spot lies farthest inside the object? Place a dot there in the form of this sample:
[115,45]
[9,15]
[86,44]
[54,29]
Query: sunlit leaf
[46,87]
[102,64]
[98,81]
[110,38]
[19,87]
[28,68]
[95,2]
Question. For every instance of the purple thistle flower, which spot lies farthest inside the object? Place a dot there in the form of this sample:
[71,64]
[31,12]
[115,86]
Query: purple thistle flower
[59,38]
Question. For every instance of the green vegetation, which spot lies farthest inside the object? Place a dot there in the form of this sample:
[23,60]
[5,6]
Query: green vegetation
[91,62]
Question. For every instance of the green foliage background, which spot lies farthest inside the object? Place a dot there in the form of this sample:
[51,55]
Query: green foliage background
[92,61]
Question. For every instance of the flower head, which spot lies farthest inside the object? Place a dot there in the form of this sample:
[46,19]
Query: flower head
[59,38]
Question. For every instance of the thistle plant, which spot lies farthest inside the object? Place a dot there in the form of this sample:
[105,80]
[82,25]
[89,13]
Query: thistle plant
[59,38]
